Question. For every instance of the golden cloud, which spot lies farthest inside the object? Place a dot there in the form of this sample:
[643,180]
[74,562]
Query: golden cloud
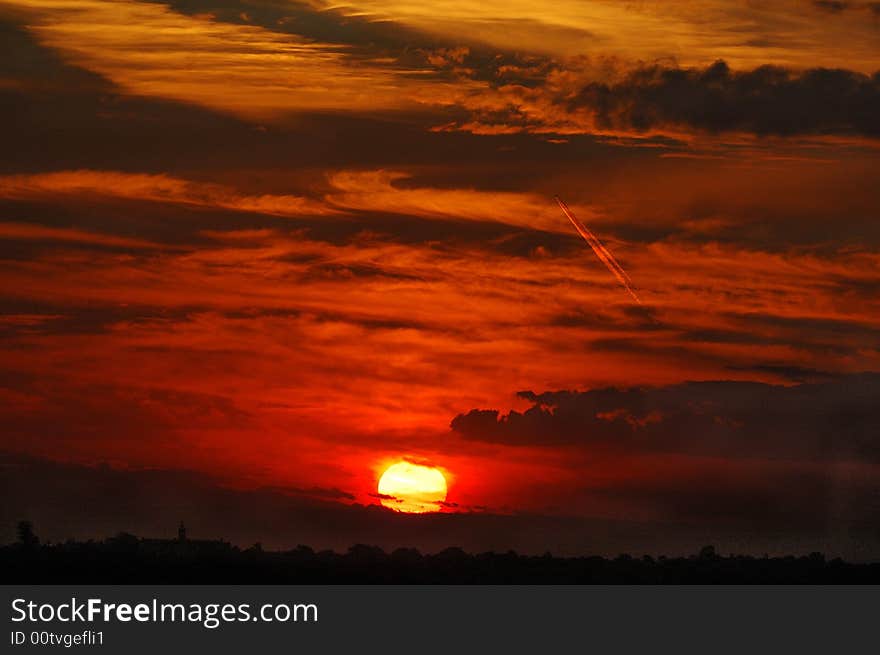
[148,49]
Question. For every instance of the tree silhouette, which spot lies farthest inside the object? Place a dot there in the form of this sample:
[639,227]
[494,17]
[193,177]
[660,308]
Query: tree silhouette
[129,559]
[708,552]
[26,535]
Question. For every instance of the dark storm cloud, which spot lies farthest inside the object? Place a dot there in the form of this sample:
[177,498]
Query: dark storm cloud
[546,95]
[768,100]
[838,419]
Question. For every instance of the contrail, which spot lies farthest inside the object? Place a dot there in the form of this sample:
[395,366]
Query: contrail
[601,251]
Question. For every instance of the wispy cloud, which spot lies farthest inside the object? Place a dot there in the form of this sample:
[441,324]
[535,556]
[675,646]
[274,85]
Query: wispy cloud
[148,49]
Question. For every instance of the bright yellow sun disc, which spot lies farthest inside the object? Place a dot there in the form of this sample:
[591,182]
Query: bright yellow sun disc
[408,487]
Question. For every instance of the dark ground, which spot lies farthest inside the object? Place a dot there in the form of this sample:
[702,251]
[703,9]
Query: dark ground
[126,559]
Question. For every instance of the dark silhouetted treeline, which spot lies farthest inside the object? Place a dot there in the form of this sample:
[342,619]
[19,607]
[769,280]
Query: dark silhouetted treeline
[126,559]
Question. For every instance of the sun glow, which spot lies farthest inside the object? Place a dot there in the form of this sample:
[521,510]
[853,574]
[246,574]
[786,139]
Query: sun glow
[408,487]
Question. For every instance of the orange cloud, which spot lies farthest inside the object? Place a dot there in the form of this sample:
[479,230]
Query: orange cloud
[148,49]
[262,74]
[376,191]
[329,354]
[29,231]
[332,354]
[783,32]
[156,188]
[349,191]
[310,350]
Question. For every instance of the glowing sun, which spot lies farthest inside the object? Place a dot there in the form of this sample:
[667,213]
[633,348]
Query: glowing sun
[410,487]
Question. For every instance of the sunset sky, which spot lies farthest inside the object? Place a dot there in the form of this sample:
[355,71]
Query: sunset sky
[286,244]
